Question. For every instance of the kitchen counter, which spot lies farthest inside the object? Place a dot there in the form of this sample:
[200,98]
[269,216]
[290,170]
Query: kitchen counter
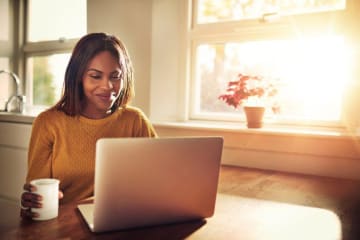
[26,117]
[17,117]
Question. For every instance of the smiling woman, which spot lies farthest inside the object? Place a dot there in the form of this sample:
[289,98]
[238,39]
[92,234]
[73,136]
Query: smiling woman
[102,84]
[97,89]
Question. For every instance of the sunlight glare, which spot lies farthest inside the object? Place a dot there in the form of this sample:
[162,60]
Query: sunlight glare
[321,77]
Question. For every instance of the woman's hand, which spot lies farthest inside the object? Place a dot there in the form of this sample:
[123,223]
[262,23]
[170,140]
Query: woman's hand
[30,200]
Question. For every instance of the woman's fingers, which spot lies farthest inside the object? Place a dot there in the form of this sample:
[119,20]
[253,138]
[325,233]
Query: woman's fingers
[28,187]
[27,213]
[30,200]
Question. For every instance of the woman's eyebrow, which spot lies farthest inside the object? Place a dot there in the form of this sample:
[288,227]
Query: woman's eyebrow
[93,69]
[98,71]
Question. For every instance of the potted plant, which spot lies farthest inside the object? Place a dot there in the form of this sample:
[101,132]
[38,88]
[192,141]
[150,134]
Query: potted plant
[253,93]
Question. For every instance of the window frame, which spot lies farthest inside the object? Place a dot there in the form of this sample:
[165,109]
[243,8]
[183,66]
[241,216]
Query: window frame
[10,48]
[38,49]
[258,29]
[6,46]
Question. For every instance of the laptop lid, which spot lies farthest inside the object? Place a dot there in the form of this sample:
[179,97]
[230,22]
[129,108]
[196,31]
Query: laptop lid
[150,181]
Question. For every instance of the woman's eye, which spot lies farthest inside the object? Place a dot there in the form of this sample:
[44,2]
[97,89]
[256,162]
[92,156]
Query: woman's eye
[95,76]
[116,78]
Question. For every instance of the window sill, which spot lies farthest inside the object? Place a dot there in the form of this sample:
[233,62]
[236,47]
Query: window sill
[331,152]
[267,129]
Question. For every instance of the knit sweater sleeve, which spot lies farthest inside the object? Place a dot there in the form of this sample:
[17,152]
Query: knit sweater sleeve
[40,150]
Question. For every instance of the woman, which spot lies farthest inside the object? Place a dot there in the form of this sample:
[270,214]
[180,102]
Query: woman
[98,86]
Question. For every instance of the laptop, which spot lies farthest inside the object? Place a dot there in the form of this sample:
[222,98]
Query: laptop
[143,182]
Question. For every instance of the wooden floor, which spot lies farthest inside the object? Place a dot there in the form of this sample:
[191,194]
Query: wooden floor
[338,195]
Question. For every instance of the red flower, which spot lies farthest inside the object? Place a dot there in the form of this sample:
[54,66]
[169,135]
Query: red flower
[247,86]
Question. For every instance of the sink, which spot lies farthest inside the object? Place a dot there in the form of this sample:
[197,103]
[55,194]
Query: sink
[16,102]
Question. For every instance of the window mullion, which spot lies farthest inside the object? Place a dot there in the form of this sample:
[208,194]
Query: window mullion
[50,46]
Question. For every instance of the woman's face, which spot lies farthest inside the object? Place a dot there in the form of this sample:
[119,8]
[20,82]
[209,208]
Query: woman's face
[102,83]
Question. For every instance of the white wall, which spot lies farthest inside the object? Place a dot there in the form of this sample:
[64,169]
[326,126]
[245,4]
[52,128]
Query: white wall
[168,75]
[130,21]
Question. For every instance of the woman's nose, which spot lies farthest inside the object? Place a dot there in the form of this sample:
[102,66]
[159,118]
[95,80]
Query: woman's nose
[107,83]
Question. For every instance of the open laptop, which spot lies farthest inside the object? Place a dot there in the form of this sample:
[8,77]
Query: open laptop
[151,181]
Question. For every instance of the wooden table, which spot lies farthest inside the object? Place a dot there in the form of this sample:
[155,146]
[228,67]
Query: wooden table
[237,216]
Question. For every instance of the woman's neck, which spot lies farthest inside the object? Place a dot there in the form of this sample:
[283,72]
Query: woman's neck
[95,114]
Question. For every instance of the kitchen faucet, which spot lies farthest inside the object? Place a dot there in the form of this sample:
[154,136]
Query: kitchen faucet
[17,100]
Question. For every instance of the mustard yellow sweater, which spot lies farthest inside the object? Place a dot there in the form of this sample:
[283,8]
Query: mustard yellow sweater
[63,147]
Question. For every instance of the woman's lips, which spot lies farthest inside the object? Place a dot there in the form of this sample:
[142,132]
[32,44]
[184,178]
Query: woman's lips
[105,97]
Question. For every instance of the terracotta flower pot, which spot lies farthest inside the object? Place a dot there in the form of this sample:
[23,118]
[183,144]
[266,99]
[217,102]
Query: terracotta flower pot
[254,116]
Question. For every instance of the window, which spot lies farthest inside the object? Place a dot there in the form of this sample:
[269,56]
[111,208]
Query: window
[302,44]
[6,21]
[4,83]
[53,27]
[47,77]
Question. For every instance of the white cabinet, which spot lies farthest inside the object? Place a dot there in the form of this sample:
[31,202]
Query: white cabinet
[14,141]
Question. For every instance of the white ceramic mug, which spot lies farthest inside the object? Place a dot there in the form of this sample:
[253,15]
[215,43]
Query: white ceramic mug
[48,188]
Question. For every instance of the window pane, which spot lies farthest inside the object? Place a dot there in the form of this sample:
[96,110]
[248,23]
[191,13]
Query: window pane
[4,63]
[47,75]
[5,82]
[4,20]
[312,74]
[227,10]
[56,19]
